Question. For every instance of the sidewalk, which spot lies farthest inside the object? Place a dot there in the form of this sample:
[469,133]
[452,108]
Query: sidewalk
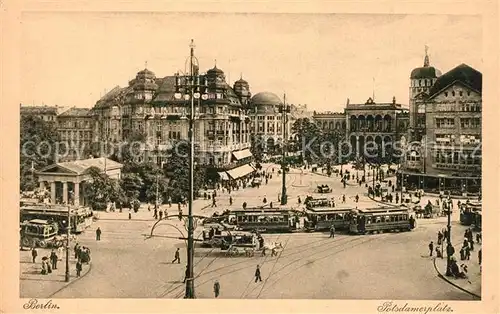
[472,284]
[32,284]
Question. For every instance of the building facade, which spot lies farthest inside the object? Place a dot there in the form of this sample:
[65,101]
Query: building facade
[146,111]
[74,127]
[46,113]
[444,151]
[380,123]
[266,122]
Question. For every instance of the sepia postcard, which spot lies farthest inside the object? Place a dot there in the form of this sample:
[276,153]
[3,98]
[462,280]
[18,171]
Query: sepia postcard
[273,156]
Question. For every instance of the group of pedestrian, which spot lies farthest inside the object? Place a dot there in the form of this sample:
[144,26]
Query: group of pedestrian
[467,245]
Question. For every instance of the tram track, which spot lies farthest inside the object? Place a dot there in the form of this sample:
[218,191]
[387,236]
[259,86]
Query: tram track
[342,249]
[274,265]
[246,266]
[334,245]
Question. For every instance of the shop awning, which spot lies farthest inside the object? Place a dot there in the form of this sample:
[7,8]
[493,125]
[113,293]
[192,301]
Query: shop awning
[223,175]
[240,171]
[242,154]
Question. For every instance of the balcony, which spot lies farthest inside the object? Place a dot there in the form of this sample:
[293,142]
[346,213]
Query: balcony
[457,166]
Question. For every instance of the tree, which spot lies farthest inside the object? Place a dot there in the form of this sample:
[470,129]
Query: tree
[102,189]
[177,170]
[38,148]
[308,137]
[256,148]
[131,184]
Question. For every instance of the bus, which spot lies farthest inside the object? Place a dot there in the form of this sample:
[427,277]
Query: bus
[81,217]
[322,218]
[264,220]
[381,219]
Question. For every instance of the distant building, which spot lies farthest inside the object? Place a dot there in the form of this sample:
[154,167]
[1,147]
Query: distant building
[75,128]
[445,129]
[266,124]
[46,113]
[380,123]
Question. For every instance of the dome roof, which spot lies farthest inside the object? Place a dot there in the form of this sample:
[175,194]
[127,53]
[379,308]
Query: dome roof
[425,72]
[241,82]
[265,98]
[146,73]
[215,70]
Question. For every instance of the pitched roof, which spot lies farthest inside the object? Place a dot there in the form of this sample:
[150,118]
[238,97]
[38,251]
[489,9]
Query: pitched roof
[81,166]
[75,112]
[463,74]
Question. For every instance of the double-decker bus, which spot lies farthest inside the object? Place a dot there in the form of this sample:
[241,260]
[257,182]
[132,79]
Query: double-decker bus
[380,220]
[322,218]
[263,220]
[81,217]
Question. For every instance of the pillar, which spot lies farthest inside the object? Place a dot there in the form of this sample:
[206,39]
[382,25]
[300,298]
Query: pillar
[42,185]
[77,193]
[65,192]
[53,192]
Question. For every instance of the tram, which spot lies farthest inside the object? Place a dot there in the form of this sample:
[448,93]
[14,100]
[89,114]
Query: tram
[478,220]
[380,220]
[264,220]
[468,213]
[81,217]
[322,218]
[311,202]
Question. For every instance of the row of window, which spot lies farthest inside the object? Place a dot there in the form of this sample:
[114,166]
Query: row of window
[381,219]
[457,158]
[453,94]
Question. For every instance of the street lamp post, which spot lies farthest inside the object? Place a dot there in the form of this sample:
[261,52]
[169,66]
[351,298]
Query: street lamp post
[284,109]
[191,89]
[68,230]
[449,246]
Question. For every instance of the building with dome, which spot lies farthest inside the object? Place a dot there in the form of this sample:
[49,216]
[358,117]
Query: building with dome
[147,112]
[444,152]
[266,124]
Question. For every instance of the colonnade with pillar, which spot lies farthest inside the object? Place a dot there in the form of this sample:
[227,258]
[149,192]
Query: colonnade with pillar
[64,191]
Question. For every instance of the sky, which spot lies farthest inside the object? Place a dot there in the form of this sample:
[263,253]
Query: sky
[72,59]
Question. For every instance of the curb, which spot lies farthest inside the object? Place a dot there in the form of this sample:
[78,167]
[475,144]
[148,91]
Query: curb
[452,283]
[71,282]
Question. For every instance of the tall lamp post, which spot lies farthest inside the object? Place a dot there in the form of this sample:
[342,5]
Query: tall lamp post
[191,88]
[68,233]
[284,109]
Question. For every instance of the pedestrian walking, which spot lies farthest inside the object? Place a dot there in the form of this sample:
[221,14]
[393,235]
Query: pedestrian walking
[467,252]
[155,215]
[75,249]
[53,259]
[440,237]
[44,267]
[78,267]
[332,231]
[177,257]
[471,243]
[230,200]
[214,202]
[431,248]
[98,234]
[357,198]
[161,214]
[216,288]
[34,254]
[438,252]
[343,198]
[257,274]
[299,200]
[186,274]
[129,215]
[479,256]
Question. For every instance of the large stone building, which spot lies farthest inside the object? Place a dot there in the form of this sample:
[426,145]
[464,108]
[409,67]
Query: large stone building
[74,127]
[266,123]
[380,123]
[147,111]
[445,129]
